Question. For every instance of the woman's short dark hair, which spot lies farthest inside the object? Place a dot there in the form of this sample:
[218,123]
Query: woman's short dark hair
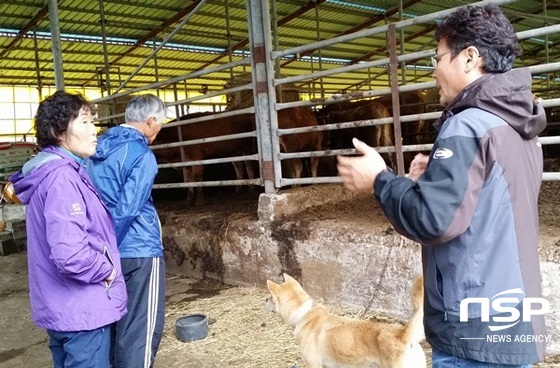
[55,114]
[487,29]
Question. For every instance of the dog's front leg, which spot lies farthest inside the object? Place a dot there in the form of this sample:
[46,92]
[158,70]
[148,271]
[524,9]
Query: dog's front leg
[312,361]
[312,364]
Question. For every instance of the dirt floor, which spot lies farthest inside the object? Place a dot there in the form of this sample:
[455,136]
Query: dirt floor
[242,333]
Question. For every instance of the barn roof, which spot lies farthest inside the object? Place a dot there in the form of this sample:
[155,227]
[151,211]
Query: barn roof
[135,28]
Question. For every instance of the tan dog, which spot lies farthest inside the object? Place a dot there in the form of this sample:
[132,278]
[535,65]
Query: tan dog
[330,341]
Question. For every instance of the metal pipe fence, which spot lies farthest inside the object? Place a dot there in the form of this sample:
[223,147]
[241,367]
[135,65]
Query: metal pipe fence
[535,69]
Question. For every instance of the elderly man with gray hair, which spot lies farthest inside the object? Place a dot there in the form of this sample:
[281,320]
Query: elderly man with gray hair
[123,170]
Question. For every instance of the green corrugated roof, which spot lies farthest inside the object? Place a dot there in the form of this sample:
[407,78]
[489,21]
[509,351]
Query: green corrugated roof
[133,26]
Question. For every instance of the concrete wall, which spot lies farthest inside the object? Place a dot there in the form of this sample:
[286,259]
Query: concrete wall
[334,264]
[12,212]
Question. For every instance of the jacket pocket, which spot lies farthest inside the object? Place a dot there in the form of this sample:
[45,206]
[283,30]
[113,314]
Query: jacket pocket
[439,282]
[107,254]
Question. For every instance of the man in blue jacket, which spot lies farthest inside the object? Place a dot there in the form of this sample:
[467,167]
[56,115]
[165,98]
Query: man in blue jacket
[473,203]
[123,170]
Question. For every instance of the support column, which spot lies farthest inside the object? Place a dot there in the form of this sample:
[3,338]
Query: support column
[263,90]
[394,80]
[107,85]
[56,47]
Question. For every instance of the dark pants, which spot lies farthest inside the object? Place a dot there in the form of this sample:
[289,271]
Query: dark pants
[444,360]
[138,334]
[80,349]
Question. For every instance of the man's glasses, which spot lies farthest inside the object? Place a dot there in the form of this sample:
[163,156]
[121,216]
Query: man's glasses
[437,58]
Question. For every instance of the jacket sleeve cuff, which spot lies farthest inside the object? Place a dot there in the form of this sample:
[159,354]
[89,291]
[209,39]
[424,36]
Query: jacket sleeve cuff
[382,178]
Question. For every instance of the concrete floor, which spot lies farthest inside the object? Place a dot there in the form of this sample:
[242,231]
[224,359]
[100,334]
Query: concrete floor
[21,343]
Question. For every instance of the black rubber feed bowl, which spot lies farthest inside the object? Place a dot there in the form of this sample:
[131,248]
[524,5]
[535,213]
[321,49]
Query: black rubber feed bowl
[192,327]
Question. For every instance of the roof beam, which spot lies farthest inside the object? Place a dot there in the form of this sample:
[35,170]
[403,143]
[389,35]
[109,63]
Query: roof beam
[32,23]
[310,5]
[384,49]
[159,29]
[411,37]
[363,25]
[181,14]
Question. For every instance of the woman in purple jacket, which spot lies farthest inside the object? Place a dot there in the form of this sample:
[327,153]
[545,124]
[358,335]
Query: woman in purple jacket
[75,282]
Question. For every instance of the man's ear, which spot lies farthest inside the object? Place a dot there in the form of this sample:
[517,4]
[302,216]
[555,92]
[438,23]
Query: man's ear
[473,58]
[151,121]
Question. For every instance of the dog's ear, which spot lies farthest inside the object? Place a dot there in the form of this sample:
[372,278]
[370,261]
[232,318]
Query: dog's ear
[288,278]
[272,286]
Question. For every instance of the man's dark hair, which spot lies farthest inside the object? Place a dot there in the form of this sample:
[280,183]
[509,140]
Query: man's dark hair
[55,114]
[487,29]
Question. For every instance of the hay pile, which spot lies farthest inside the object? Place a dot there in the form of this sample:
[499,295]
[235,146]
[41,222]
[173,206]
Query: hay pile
[287,92]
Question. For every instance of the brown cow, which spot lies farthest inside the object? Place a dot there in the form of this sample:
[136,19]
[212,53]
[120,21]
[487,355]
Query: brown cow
[373,135]
[297,117]
[213,128]
[411,103]
[413,132]
[287,118]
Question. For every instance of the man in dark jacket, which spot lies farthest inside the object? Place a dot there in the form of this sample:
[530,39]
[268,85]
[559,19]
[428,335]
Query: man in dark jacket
[472,203]
[123,170]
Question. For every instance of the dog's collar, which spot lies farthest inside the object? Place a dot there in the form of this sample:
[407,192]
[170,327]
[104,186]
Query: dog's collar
[302,311]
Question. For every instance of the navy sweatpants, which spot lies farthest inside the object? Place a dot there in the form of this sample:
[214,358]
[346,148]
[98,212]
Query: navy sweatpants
[139,332]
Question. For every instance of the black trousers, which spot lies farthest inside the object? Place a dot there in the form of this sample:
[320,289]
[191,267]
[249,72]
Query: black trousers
[138,334]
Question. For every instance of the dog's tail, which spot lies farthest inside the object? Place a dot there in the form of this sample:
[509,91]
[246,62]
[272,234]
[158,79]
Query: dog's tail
[413,332]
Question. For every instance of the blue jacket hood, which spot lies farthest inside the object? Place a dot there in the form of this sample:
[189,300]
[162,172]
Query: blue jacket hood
[114,139]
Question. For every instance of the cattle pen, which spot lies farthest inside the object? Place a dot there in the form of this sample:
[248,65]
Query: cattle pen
[266,66]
